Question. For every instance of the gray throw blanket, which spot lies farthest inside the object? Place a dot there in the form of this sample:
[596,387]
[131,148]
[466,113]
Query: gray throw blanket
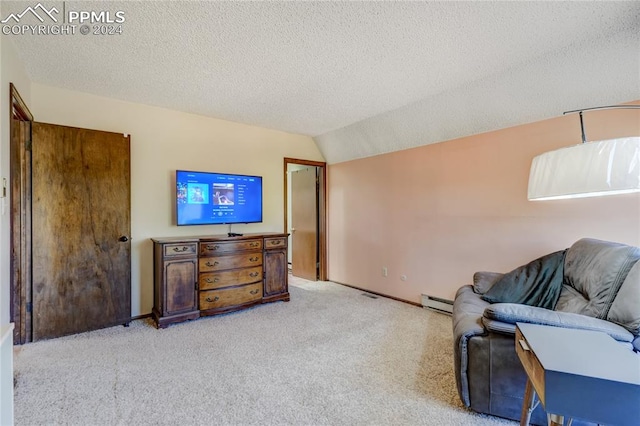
[538,283]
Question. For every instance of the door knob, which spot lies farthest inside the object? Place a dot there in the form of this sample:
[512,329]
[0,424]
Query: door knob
[123,239]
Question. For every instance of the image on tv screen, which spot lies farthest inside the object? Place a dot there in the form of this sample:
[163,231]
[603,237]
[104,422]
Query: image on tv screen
[206,198]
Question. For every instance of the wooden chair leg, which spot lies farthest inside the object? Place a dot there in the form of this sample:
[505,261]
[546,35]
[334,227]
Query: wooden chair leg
[527,404]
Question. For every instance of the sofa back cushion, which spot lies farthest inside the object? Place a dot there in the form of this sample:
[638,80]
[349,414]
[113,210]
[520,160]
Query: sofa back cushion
[594,271]
[625,309]
[538,283]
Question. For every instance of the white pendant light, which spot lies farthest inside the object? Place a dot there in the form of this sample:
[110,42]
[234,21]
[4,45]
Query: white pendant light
[590,169]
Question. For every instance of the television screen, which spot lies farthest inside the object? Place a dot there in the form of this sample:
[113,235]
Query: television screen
[204,198]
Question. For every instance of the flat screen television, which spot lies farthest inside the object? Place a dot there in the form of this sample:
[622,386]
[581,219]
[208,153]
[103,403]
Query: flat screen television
[205,198]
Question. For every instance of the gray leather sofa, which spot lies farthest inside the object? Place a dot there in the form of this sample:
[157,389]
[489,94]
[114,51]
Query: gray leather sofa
[600,290]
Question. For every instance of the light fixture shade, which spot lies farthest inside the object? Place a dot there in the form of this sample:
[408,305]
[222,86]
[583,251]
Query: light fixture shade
[587,170]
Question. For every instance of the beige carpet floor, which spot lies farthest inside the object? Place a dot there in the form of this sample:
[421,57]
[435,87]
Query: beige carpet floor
[330,356]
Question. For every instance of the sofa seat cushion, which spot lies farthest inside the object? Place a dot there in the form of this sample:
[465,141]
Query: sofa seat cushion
[594,270]
[511,313]
[625,309]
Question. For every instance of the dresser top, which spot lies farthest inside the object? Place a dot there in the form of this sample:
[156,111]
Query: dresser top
[218,237]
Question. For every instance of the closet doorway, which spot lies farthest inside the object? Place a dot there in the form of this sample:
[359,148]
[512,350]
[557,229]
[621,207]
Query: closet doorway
[305,217]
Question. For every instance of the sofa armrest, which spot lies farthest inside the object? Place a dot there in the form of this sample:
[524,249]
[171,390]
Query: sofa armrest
[484,280]
[467,323]
[511,313]
[494,326]
[468,308]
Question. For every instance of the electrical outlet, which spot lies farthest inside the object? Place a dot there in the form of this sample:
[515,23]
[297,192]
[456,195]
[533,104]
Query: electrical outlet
[385,272]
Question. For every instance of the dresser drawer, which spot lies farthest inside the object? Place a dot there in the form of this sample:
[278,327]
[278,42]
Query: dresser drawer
[215,247]
[213,299]
[277,242]
[183,249]
[209,280]
[233,261]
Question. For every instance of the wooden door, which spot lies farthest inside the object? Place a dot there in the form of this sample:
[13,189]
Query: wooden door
[304,224]
[80,230]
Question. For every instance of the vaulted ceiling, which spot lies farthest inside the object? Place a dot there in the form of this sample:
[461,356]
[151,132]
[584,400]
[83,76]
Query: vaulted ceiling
[362,78]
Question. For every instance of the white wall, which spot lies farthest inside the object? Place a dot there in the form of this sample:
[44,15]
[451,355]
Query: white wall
[162,141]
[11,71]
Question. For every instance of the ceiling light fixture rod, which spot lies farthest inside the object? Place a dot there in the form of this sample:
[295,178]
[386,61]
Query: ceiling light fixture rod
[580,111]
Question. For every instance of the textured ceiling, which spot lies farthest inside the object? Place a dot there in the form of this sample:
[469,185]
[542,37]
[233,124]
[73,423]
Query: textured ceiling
[361,77]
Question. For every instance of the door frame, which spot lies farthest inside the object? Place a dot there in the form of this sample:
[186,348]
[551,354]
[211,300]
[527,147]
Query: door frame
[20,219]
[322,209]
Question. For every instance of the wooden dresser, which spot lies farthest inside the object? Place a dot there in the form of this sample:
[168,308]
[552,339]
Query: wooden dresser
[215,274]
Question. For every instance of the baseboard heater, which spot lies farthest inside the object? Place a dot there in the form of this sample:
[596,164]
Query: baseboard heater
[437,304]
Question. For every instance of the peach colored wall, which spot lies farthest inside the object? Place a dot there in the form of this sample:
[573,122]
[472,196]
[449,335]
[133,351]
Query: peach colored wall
[440,212]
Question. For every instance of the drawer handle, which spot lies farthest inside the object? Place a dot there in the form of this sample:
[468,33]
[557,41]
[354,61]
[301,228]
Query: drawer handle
[276,243]
[524,345]
[179,250]
[215,299]
[216,263]
[254,291]
[214,247]
[254,274]
[209,280]
[254,244]
[253,259]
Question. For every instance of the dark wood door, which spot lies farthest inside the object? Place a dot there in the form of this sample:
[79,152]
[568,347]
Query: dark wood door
[80,230]
[304,224]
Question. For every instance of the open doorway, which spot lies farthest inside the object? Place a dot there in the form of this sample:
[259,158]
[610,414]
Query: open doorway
[305,217]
